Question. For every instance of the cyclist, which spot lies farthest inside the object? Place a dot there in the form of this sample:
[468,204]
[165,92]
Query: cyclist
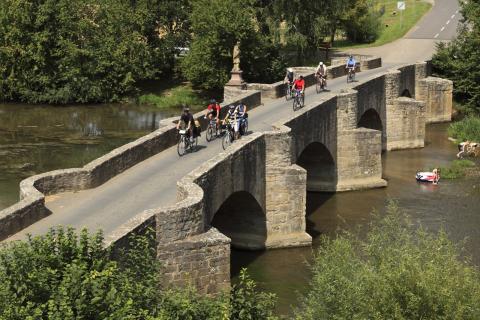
[213,110]
[187,121]
[232,118]
[321,72]
[351,63]
[289,77]
[299,85]
[242,114]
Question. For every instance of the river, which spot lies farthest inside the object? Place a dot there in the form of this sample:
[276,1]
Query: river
[36,139]
[453,205]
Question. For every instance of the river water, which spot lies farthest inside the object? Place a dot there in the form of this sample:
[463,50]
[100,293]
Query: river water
[453,205]
[36,139]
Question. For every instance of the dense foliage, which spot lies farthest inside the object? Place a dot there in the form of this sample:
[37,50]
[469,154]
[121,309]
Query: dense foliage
[63,51]
[397,272]
[60,51]
[64,276]
[459,60]
[466,129]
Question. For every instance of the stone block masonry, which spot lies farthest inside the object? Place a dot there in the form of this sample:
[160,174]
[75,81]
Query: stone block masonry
[406,123]
[437,95]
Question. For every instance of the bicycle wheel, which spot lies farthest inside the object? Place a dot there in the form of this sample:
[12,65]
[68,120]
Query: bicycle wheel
[245,127]
[210,133]
[288,94]
[318,86]
[227,139]
[181,146]
[302,101]
[295,103]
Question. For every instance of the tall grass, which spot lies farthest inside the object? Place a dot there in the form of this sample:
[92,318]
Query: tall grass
[174,98]
[457,169]
[466,129]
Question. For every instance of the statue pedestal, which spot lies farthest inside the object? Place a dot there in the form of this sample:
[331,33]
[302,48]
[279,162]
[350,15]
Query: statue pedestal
[235,86]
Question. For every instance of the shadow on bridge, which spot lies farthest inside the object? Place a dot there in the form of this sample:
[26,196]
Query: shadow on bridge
[242,219]
[317,160]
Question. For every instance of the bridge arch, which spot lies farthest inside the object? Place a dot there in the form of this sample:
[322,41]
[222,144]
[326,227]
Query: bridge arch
[321,168]
[371,120]
[243,220]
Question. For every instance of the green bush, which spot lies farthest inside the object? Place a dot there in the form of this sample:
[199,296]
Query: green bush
[181,95]
[365,26]
[63,51]
[397,272]
[457,169]
[466,129]
[63,276]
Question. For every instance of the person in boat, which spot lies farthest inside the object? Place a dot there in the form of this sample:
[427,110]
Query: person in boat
[436,175]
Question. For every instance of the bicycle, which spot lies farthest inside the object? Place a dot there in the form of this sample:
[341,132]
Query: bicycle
[298,100]
[229,135]
[186,144]
[244,125]
[212,131]
[320,86]
[288,91]
[351,74]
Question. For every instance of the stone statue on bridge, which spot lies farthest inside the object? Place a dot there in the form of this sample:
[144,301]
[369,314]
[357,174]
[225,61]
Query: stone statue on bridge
[236,57]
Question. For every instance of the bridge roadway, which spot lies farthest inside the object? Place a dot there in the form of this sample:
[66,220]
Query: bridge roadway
[152,183]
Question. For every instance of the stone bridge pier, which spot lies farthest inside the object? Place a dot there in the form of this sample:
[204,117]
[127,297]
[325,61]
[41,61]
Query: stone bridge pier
[253,195]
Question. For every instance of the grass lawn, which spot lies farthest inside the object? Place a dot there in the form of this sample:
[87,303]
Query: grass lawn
[394,26]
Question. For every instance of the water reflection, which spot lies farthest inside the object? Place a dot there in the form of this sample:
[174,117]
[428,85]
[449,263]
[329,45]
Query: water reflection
[35,139]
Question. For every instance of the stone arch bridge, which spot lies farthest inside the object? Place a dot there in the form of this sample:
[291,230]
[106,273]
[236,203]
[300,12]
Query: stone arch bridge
[253,195]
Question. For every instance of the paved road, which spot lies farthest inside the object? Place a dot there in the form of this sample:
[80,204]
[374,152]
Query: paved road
[152,183]
[439,24]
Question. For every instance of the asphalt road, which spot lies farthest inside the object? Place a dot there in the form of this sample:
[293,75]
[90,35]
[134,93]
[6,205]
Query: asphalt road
[440,23]
[419,44]
[152,183]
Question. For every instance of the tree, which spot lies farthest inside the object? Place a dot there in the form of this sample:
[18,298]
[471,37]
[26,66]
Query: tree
[363,23]
[459,60]
[397,272]
[216,31]
[62,51]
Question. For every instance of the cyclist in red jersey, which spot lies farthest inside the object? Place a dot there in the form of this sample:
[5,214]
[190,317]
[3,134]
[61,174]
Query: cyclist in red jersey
[299,85]
[213,110]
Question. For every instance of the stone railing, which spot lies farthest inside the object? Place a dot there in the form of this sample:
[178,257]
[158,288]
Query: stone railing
[277,89]
[31,207]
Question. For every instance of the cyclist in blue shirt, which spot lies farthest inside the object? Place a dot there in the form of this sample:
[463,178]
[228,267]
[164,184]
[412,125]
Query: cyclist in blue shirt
[351,63]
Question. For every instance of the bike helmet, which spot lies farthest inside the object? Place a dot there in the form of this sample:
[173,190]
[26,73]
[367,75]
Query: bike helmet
[351,56]
[213,101]
[289,69]
[321,63]
[301,77]
[185,108]
[231,107]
